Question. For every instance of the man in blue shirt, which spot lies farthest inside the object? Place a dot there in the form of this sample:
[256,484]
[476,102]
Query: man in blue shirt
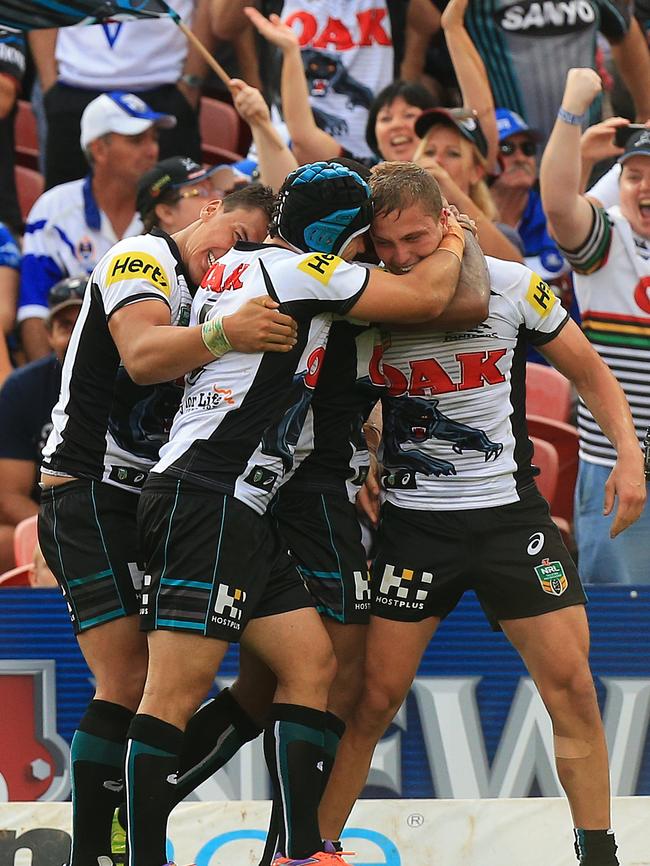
[72,225]
[26,401]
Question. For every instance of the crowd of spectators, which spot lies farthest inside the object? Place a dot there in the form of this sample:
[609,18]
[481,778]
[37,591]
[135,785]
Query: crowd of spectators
[468,89]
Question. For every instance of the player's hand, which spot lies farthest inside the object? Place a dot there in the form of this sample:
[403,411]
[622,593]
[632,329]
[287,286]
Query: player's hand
[258,326]
[454,14]
[368,501]
[582,87]
[627,484]
[597,142]
[464,221]
[249,103]
[273,29]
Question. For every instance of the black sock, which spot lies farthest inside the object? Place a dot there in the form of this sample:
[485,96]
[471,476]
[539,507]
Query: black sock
[595,847]
[293,747]
[97,761]
[152,754]
[213,735]
[334,730]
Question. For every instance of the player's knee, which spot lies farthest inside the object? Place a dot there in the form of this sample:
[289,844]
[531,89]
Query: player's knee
[378,705]
[571,690]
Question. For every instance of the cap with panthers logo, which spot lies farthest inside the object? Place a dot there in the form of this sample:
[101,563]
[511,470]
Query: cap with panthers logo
[461,119]
[171,173]
[322,206]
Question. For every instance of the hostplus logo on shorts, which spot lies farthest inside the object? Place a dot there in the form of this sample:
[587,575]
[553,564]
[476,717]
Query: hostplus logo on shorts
[362,590]
[227,607]
[399,589]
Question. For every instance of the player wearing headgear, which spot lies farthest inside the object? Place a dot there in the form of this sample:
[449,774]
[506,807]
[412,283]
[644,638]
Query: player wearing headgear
[216,566]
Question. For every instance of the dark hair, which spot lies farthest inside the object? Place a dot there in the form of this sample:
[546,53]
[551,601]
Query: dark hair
[150,217]
[255,195]
[410,91]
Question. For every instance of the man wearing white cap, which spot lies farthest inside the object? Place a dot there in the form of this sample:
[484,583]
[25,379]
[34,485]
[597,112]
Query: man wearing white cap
[72,225]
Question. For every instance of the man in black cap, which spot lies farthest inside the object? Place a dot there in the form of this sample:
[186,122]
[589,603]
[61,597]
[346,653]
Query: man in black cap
[26,402]
[171,194]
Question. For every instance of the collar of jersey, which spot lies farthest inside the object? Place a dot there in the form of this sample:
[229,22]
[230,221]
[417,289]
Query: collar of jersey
[173,249]
[92,214]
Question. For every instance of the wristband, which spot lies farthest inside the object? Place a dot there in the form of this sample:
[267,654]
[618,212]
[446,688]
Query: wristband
[214,337]
[568,117]
[454,242]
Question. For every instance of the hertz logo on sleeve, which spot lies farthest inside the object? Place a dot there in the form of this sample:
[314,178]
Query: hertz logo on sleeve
[540,296]
[137,266]
[320,266]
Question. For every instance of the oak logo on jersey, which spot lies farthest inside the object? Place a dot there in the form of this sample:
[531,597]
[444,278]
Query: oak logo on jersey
[320,266]
[137,266]
[335,35]
[227,607]
[552,577]
[540,296]
[405,589]
[427,377]
[214,279]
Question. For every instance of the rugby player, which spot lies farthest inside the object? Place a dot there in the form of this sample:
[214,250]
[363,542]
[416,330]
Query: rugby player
[462,512]
[108,425]
[216,566]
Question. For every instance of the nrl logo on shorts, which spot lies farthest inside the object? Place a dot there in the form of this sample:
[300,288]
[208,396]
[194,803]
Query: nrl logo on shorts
[552,577]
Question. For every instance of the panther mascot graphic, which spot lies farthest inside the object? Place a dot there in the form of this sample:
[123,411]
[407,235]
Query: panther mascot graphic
[325,73]
[414,419]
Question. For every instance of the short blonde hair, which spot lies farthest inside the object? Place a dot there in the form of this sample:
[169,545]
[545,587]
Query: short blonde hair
[396,186]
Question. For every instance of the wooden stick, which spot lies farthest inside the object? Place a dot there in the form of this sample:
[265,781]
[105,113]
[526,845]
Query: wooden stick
[209,59]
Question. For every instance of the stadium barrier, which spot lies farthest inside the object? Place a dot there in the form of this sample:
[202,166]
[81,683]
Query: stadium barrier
[526,832]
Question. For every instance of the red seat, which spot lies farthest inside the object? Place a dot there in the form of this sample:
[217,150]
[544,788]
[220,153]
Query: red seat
[25,540]
[546,459]
[29,185]
[219,125]
[26,135]
[548,393]
[564,438]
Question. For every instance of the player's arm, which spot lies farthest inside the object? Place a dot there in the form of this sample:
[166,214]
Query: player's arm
[420,295]
[569,214]
[571,353]
[153,350]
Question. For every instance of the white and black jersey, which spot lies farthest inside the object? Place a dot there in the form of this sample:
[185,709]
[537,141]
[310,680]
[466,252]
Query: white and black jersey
[455,418]
[241,417]
[105,427]
[332,453]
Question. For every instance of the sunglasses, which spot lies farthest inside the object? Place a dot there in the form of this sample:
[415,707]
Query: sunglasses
[528,148]
[199,192]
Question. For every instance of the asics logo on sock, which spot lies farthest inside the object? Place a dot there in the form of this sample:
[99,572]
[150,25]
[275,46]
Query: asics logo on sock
[173,778]
[116,786]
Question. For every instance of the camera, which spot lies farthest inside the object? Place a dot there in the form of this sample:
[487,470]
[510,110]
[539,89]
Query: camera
[623,133]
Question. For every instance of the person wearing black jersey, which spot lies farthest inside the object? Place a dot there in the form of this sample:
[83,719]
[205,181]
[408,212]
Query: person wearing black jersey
[216,572]
[114,410]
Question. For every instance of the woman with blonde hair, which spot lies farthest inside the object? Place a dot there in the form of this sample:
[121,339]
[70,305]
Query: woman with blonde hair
[454,150]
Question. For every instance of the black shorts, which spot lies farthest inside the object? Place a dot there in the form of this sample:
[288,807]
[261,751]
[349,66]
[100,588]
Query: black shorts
[512,556]
[323,534]
[88,534]
[212,562]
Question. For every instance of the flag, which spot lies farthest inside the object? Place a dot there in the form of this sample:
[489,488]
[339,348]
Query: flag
[36,14]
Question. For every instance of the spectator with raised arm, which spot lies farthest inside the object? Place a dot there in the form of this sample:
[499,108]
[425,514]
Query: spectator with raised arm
[610,253]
